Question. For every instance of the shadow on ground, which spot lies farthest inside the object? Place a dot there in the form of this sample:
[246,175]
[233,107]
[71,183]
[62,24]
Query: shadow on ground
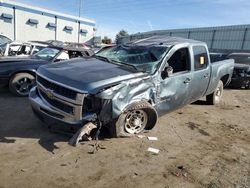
[17,121]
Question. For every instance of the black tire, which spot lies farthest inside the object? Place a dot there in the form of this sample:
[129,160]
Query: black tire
[21,83]
[138,108]
[215,97]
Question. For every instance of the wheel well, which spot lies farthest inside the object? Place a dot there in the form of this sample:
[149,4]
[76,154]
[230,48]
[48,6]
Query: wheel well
[25,71]
[224,79]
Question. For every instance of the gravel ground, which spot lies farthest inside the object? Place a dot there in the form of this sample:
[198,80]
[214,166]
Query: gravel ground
[200,146]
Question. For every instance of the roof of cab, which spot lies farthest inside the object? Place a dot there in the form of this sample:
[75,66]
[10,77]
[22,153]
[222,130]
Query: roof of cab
[162,40]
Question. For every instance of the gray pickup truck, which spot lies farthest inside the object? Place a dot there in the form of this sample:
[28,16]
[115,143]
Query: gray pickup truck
[127,87]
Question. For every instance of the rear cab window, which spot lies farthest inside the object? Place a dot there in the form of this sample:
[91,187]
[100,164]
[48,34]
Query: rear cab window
[200,57]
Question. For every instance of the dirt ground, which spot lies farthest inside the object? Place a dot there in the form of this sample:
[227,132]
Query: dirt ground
[200,146]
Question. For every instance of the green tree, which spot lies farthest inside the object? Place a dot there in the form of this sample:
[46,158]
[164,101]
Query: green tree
[106,40]
[119,35]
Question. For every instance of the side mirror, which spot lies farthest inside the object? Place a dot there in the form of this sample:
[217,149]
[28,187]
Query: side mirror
[168,71]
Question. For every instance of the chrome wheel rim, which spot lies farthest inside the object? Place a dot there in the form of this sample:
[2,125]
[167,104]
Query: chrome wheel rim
[24,85]
[136,121]
[218,93]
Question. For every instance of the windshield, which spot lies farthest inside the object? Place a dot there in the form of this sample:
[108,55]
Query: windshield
[241,59]
[47,54]
[144,58]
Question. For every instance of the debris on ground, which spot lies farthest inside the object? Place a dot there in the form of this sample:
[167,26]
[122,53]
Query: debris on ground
[152,138]
[180,171]
[23,170]
[177,134]
[135,175]
[153,150]
[82,134]
[141,136]
[96,146]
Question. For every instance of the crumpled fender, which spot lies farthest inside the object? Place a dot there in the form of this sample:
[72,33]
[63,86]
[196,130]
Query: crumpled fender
[128,92]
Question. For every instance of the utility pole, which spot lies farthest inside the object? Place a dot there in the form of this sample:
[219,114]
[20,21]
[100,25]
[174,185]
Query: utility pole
[80,7]
[79,23]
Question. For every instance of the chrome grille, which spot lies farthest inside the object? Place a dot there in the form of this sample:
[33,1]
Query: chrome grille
[57,88]
[57,104]
[67,101]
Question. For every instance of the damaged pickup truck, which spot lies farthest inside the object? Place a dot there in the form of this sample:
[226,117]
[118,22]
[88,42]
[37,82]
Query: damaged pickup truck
[127,87]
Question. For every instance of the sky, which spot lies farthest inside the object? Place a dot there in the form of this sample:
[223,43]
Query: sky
[111,16]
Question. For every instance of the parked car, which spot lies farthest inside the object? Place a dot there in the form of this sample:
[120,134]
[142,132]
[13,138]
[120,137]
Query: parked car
[76,45]
[241,73]
[17,48]
[102,47]
[55,43]
[127,87]
[19,73]
[218,56]
[3,41]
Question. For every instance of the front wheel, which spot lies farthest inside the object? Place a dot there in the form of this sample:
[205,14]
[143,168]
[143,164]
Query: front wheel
[21,83]
[135,119]
[215,97]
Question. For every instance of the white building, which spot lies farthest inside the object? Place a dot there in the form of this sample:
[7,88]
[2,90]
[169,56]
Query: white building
[25,23]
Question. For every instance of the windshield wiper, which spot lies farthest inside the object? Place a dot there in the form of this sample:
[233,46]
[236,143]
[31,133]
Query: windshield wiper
[127,64]
[102,58]
[116,62]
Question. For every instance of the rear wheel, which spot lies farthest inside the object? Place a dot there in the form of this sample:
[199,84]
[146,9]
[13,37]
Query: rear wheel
[135,119]
[215,97]
[21,83]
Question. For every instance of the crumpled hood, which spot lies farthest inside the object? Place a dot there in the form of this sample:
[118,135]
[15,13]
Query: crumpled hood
[87,75]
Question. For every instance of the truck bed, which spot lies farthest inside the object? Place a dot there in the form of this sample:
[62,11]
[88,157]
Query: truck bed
[220,70]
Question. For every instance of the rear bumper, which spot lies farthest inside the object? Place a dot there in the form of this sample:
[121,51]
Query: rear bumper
[50,117]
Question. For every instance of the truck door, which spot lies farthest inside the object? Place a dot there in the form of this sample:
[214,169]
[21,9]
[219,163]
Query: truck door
[201,72]
[174,90]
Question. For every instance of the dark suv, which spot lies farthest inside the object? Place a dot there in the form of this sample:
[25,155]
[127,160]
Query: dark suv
[241,74]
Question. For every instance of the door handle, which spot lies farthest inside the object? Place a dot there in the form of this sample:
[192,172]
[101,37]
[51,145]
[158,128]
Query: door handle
[188,80]
[206,75]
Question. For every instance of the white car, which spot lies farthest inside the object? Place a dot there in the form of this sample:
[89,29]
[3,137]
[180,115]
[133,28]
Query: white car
[17,48]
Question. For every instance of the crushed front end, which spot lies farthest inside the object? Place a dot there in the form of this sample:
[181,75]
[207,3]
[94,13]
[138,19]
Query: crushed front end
[62,108]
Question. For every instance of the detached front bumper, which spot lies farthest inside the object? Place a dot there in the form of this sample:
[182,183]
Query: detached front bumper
[51,117]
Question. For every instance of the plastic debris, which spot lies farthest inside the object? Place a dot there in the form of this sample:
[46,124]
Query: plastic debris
[152,138]
[82,134]
[153,150]
[180,171]
[141,136]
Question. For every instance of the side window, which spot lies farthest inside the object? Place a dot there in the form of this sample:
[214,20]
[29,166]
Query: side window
[200,57]
[63,56]
[180,60]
